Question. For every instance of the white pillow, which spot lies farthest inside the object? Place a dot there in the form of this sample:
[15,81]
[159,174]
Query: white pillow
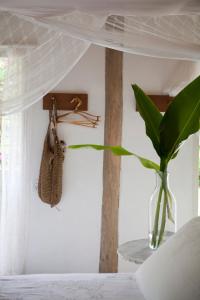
[173,271]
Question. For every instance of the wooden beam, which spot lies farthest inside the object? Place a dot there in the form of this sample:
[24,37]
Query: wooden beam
[111,165]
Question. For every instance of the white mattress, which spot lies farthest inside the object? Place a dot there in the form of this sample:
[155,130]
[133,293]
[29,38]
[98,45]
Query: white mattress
[70,287]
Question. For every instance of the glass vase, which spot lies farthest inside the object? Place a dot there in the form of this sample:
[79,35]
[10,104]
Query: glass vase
[162,211]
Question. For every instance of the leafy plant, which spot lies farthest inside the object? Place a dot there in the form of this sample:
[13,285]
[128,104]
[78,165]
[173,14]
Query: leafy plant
[167,134]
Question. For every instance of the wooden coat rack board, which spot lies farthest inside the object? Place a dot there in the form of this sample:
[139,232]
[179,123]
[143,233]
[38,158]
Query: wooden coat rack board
[75,104]
[161,101]
[64,101]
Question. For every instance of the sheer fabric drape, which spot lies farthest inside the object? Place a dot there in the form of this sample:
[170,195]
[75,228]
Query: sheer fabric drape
[15,183]
[15,195]
[43,55]
[50,42]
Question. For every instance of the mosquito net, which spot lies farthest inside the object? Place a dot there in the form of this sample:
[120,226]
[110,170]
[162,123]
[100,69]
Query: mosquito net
[40,42]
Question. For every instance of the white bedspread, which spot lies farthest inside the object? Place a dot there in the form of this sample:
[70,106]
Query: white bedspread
[70,287]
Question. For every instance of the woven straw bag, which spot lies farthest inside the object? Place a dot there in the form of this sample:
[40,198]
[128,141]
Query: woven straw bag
[51,168]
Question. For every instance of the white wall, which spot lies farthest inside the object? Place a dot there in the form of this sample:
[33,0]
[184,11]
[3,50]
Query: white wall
[68,239]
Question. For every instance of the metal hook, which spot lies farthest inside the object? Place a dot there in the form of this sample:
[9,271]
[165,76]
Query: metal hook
[79,102]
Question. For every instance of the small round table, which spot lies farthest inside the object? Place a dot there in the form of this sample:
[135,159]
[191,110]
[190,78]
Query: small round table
[135,251]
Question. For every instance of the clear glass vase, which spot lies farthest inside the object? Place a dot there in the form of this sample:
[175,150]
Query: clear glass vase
[162,211]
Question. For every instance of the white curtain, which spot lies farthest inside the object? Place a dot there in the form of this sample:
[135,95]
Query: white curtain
[14,172]
[14,201]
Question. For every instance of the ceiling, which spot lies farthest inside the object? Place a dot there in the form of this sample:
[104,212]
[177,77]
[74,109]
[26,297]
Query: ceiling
[128,7]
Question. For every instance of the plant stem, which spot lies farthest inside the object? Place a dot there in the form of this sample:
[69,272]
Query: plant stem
[160,219]
[163,166]
[163,221]
[156,221]
[169,207]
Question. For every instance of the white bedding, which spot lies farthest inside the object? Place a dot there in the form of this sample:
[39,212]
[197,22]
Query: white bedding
[70,287]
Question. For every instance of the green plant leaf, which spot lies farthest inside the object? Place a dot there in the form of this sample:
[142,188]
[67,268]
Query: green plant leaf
[149,164]
[118,150]
[180,120]
[151,116]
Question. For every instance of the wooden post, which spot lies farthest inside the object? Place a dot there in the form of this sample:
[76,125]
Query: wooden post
[111,165]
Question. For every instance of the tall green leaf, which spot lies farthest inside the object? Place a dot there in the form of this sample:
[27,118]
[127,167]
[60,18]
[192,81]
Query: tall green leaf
[151,116]
[180,120]
[118,150]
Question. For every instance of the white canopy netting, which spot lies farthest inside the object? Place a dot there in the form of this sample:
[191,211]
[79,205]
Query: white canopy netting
[41,41]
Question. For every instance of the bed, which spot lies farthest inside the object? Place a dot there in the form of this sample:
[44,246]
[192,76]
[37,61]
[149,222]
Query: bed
[172,272]
[70,287]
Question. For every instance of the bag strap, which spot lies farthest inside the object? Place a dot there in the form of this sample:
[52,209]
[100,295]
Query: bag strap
[52,128]
[53,114]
